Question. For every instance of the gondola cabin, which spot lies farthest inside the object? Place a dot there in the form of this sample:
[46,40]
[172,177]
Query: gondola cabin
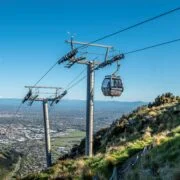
[112,86]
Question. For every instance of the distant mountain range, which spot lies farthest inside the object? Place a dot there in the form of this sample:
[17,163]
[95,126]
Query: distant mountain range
[78,103]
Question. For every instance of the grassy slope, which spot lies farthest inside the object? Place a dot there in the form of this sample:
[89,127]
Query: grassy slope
[126,136]
[162,162]
[8,162]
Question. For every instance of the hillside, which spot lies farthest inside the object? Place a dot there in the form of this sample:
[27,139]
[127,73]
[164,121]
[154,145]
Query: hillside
[143,144]
[161,161]
[8,163]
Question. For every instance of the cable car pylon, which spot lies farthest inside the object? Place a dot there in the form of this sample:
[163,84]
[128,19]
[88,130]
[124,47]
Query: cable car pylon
[55,95]
[71,59]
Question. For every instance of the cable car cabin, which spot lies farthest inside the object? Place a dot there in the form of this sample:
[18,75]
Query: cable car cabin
[112,86]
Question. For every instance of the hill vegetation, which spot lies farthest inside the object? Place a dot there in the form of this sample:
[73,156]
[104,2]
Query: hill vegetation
[156,125]
[8,162]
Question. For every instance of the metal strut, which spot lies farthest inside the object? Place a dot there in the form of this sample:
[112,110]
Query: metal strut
[117,69]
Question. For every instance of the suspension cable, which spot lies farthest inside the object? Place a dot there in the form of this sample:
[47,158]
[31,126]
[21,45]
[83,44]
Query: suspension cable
[152,46]
[112,34]
[77,82]
[75,78]
[132,26]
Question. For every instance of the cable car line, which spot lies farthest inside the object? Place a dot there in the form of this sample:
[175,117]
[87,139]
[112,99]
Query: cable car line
[77,82]
[130,52]
[126,53]
[112,84]
[19,107]
[116,86]
[76,78]
[113,91]
[132,26]
[52,67]
[152,46]
[107,36]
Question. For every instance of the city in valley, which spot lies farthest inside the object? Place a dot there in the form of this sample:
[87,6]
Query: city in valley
[23,134]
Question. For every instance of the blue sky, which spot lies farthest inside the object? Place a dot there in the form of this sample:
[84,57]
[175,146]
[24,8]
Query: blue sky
[32,35]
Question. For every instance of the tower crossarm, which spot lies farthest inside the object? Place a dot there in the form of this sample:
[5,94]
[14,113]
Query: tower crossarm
[68,56]
[110,61]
